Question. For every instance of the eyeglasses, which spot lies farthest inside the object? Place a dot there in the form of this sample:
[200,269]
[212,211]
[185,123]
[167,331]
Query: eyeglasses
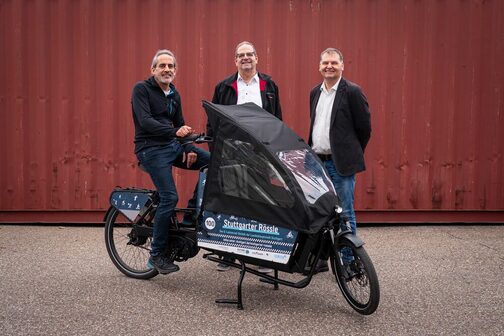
[248,54]
[166,65]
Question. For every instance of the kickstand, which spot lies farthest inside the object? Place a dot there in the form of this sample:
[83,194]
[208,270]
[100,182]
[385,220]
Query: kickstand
[237,302]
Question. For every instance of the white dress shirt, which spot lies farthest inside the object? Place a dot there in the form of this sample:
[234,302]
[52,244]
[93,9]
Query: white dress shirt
[249,93]
[322,123]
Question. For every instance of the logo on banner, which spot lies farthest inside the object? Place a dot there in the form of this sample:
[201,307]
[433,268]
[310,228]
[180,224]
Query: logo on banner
[210,223]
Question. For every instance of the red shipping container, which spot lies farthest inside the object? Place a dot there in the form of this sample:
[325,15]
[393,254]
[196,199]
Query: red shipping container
[432,72]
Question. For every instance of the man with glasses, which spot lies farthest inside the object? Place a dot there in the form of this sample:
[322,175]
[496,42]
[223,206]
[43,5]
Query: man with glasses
[158,119]
[248,85]
[244,86]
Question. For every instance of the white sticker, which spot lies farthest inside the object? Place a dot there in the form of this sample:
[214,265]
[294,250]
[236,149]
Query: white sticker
[210,223]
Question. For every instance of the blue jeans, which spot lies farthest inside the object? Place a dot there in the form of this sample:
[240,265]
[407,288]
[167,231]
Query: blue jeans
[345,186]
[158,161]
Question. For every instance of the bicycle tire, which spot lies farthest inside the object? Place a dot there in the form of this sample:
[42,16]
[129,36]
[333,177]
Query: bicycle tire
[129,257]
[358,280]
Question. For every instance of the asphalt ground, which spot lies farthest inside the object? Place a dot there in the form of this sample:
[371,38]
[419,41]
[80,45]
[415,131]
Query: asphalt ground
[435,280]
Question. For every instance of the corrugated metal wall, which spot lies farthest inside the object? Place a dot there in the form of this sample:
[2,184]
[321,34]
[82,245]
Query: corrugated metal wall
[433,72]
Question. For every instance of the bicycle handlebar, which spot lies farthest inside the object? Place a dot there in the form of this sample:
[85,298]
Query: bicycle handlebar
[198,138]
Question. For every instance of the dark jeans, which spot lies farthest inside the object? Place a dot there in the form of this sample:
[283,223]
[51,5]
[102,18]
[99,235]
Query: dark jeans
[158,162]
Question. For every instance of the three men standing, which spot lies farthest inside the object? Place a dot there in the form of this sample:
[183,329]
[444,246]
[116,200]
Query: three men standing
[340,129]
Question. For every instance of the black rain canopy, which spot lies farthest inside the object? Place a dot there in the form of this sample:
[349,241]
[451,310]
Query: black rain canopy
[262,170]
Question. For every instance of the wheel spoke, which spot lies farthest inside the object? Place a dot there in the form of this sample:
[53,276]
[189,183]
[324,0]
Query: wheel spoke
[134,256]
[356,277]
[128,251]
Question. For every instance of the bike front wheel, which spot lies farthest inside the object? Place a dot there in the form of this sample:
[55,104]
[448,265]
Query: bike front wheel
[128,245]
[356,277]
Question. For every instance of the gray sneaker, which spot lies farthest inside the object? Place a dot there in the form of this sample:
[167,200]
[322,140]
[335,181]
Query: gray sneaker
[264,269]
[221,267]
[162,264]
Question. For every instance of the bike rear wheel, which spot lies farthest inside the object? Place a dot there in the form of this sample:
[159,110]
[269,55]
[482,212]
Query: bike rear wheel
[356,277]
[128,245]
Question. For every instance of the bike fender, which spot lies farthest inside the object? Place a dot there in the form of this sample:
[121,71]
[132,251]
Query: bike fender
[356,241]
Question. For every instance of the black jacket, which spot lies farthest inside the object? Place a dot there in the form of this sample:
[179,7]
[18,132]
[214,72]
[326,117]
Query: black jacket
[226,93]
[350,127]
[157,117]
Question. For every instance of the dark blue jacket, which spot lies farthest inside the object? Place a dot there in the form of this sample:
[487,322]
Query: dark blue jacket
[157,117]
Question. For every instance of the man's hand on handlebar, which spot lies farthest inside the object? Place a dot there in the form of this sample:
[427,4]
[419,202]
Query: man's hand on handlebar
[184,131]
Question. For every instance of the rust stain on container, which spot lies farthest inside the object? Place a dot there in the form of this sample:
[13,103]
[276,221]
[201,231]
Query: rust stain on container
[432,72]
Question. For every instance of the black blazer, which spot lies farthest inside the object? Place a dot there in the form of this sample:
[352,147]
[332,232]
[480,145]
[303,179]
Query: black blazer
[350,127]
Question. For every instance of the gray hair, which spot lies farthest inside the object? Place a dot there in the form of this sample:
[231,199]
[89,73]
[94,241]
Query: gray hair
[243,43]
[163,52]
[332,51]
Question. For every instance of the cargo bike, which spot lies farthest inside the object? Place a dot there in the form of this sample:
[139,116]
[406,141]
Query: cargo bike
[264,200]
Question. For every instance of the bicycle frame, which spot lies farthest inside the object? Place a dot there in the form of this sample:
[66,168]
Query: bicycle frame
[249,239]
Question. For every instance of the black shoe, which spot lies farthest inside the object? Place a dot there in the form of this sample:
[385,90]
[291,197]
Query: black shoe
[222,267]
[322,266]
[163,264]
